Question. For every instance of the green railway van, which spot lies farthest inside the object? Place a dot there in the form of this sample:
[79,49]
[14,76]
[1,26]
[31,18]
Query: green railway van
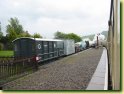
[40,49]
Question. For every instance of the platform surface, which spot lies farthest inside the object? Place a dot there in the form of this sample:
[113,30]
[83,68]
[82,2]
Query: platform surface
[99,79]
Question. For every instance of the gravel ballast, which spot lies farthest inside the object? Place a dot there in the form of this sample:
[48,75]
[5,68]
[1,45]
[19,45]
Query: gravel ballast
[69,73]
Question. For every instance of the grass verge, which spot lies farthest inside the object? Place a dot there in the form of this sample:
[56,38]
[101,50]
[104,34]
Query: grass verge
[6,53]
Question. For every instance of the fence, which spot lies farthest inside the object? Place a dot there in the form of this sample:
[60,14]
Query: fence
[10,67]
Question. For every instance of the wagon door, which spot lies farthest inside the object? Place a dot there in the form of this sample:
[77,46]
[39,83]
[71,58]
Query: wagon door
[39,50]
[31,51]
[51,49]
[46,50]
[55,49]
[24,48]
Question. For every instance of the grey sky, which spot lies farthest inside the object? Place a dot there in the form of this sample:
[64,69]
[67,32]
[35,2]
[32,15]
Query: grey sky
[82,17]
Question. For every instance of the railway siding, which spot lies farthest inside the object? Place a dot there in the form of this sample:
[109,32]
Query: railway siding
[73,72]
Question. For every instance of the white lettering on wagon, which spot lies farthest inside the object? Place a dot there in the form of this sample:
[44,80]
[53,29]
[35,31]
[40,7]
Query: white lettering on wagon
[39,46]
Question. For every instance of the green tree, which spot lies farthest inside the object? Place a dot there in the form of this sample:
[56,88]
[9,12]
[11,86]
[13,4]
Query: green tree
[73,36]
[59,35]
[1,35]
[13,29]
[1,46]
[6,42]
[24,34]
[36,35]
[12,34]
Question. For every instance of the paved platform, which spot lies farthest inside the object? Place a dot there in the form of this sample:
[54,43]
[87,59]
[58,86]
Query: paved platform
[99,80]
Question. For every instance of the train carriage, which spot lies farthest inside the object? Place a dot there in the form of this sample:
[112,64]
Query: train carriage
[113,44]
[40,49]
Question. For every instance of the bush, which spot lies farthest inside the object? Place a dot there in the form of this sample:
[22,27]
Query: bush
[1,46]
[9,46]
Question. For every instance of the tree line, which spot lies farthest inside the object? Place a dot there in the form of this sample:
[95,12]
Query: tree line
[15,30]
[61,35]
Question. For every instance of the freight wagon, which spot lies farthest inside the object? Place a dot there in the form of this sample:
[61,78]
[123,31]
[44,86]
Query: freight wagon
[42,49]
[69,47]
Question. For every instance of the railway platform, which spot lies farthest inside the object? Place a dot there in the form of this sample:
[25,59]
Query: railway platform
[99,79]
[74,72]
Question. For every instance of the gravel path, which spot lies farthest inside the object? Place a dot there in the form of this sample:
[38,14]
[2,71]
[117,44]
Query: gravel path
[69,73]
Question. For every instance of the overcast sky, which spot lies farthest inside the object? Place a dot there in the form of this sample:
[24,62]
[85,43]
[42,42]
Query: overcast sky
[82,17]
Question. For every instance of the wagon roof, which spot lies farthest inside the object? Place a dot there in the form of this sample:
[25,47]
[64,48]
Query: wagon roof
[37,39]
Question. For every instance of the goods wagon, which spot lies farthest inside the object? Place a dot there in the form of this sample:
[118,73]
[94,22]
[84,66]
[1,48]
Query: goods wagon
[40,49]
[69,47]
[77,47]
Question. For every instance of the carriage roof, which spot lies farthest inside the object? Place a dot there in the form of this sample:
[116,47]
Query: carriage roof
[37,39]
